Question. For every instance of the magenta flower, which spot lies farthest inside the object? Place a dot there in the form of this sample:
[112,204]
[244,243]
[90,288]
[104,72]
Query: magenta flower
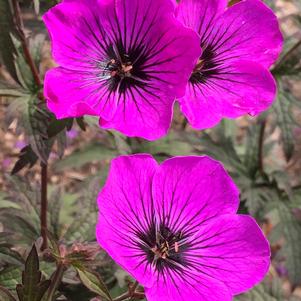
[174,228]
[239,44]
[122,60]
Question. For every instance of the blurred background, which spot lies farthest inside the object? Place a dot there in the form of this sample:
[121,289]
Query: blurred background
[262,154]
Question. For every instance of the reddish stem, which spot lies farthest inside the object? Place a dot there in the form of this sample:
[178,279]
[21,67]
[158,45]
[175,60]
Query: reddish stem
[44,205]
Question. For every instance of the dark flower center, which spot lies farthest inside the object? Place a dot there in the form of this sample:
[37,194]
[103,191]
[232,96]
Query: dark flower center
[120,69]
[124,69]
[206,66]
[164,248]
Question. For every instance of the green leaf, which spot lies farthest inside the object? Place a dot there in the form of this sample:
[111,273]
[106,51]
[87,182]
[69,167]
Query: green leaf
[10,277]
[9,90]
[32,287]
[5,295]
[93,282]
[38,120]
[10,256]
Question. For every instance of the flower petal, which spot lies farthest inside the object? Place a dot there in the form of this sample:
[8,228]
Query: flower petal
[77,40]
[248,30]
[189,191]
[238,88]
[141,112]
[125,207]
[187,286]
[200,14]
[71,94]
[232,249]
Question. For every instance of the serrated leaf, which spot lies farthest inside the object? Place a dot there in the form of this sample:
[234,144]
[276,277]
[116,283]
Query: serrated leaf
[32,287]
[5,295]
[38,120]
[93,282]
[10,256]
[289,229]
[285,121]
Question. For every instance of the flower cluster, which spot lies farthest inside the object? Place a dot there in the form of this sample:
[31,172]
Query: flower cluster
[127,61]
[174,228]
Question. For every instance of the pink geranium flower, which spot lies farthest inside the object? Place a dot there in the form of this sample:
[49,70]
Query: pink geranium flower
[174,228]
[239,45]
[122,60]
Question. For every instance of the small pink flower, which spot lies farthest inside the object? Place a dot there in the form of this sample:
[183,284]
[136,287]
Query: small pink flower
[174,228]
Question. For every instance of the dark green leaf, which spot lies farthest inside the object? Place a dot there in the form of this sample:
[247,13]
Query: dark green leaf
[81,123]
[33,287]
[57,125]
[26,157]
[93,282]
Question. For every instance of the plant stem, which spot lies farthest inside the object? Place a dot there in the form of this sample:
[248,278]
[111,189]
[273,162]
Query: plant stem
[136,295]
[56,279]
[44,205]
[35,73]
[27,55]
[132,294]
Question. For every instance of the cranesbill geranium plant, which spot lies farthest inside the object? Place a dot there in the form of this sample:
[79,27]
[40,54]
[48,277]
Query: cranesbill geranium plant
[231,77]
[173,226]
[122,60]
